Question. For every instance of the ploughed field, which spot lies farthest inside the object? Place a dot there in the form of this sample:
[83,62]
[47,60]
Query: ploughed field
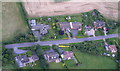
[51,8]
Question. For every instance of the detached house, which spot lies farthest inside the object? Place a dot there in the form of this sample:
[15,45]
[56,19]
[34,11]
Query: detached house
[70,25]
[89,31]
[111,48]
[67,55]
[98,24]
[52,56]
[22,61]
[41,28]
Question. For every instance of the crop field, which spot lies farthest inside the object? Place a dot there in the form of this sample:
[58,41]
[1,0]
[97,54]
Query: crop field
[12,22]
[52,8]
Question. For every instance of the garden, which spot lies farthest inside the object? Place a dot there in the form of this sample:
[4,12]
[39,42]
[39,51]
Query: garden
[88,55]
[86,18]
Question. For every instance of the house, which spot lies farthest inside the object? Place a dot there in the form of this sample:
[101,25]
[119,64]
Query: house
[112,48]
[41,28]
[23,60]
[67,55]
[52,56]
[70,25]
[32,22]
[89,31]
[98,24]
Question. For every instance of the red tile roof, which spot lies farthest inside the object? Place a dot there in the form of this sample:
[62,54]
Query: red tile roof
[113,48]
[68,54]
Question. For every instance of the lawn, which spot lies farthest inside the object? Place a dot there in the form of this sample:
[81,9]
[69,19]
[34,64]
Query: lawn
[66,49]
[69,63]
[90,61]
[9,66]
[93,62]
[53,65]
[12,22]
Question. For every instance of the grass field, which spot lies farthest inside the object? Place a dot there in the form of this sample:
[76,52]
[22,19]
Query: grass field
[89,61]
[12,22]
[93,62]
[54,65]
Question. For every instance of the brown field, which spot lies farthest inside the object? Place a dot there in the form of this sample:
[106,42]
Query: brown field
[41,8]
[12,22]
[0,22]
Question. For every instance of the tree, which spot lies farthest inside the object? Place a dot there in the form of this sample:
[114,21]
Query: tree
[29,53]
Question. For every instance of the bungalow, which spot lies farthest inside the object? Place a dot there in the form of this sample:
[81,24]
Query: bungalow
[52,56]
[70,25]
[22,61]
[67,55]
[99,24]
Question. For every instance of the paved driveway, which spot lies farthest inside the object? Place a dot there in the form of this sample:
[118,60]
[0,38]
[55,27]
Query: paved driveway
[19,51]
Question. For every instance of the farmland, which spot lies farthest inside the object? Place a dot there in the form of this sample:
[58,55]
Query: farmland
[12,22]
[51,8]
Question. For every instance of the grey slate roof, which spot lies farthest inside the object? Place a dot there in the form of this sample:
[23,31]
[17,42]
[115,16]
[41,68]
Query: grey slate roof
[66,25]
[99,23]
[51,55]
[42,28]
[23,59]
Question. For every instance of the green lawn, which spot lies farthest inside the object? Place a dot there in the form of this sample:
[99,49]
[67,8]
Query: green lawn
[53,65]
[93,62]
[66,48]
[87,61]
[70,63]
[9,66]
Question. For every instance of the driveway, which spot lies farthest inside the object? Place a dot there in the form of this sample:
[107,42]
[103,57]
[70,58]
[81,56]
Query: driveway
[19,51]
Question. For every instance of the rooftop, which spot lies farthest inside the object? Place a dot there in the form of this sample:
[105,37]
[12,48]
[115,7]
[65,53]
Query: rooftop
[99,24]
[23,60]
[70,25]
[113,48]
[68,54]
[42,28]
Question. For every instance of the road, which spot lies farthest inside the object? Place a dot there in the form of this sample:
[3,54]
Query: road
[56,42]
